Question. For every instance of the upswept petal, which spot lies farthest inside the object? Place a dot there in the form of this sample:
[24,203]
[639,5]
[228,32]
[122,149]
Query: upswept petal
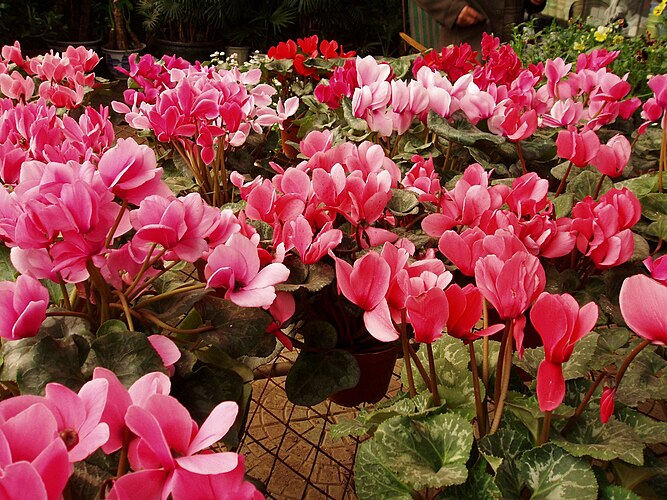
[211,463]
[147,427]
[643,304]
[216,425]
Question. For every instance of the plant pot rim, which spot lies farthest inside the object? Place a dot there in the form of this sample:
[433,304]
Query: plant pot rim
[205,43]
[141,46]
[74,43]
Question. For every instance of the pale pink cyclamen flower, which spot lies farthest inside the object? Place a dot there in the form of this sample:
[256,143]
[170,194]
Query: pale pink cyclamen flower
[561,323]
[511,285]
[311,250]
[77,415]
[235,267]
[643,304]
[528,195]
[23,305]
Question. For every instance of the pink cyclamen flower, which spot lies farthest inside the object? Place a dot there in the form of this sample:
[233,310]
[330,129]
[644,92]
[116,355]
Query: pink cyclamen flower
[366,285]
[23,307]
[77,415]
[33,457]
[511,286]
[561,323]
[643,304]
[657,268]
[578,147]
[169,442]
[612,157]
[235,267]
[465,311]
[119,399]
[130,171]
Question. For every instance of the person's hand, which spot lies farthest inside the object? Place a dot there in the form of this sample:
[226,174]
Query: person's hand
[469,16]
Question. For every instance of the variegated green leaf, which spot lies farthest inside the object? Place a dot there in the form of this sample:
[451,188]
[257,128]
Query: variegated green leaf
[603,442]
[645,379]
[579,363]
[479,486]
[610,340]
[551,473]
[505,444]
[373,477]
[648,430]
[614,492]
[427,452]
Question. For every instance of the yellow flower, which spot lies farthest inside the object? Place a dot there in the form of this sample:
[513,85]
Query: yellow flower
[579,47]
[658,9]
[618,39]
[602,33]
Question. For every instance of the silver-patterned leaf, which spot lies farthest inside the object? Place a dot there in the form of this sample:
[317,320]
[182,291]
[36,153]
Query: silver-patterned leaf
[552,473]
[373,478]
[648,430]
[612,440]
[427,452]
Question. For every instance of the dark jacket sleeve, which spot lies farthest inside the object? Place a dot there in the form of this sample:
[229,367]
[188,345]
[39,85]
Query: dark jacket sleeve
[444,11]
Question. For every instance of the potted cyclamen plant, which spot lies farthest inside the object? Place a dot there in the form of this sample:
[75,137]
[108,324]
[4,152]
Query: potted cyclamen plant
[118,330]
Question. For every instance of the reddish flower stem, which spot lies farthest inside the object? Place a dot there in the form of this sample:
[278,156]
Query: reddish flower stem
[561,186]
[481,417]
[434,382]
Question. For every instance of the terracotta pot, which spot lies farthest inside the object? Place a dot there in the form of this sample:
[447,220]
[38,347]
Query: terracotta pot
[376,369]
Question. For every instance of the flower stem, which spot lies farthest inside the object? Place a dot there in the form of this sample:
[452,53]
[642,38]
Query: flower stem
[628,360]
[116,223]
[151,317]
[73,314]
[406,353]
[63,290]
[126,310]
[561,186]
[598,188]
[481,419]
[168,294]
[419,365]
[123,462]
[546,425]
[505,379]
[521,159]
[434,383]
[485,345]
[582,406]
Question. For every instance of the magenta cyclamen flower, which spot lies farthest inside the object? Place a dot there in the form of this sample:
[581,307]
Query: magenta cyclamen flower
[235,267]
[561,323]
[23,307]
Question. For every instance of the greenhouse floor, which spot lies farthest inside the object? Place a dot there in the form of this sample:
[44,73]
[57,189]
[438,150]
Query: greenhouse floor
[286,447]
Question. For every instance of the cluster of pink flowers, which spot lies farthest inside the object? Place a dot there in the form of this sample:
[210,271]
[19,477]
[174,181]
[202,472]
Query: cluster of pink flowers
[167,451]
[61,79]
[61,219]
[35,132]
